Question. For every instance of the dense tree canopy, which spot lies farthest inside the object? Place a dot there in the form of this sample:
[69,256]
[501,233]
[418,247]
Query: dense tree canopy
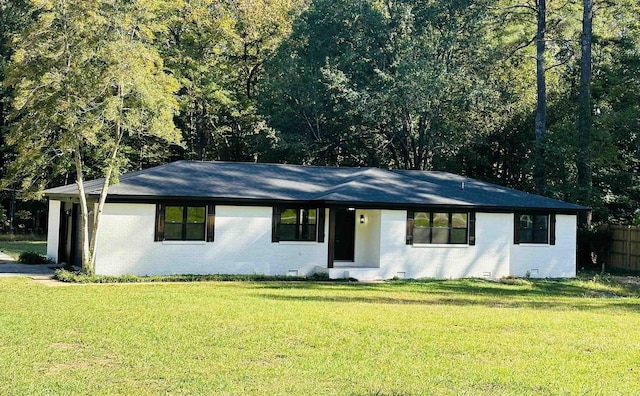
[86,79]
[417,84]
[363,83]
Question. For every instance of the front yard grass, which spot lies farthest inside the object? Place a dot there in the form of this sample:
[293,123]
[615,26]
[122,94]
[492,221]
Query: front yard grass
[469,337]
[14,248]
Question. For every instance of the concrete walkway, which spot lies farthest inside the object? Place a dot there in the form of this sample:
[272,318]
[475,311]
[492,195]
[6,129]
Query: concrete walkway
[5,258]
[9,267]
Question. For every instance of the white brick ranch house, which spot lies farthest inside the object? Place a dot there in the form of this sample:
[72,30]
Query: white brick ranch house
[192,217]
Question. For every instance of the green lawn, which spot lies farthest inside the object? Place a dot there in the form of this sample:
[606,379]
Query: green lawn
[467,337]
[14,248]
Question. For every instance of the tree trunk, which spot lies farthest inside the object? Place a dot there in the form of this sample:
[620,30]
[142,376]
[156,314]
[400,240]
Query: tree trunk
[107,179]
[541,110]
[87,264]
[584,115]
[101,202]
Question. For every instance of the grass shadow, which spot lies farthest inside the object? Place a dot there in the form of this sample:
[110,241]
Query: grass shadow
[508,287]
[578,294]
[628,304]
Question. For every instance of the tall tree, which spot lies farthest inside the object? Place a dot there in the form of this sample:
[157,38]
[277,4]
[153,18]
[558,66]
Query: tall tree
[616,113]
[585,109]
[87,78]
[541,94]
[542,31]
[14,17]
[376,83]
[216,49]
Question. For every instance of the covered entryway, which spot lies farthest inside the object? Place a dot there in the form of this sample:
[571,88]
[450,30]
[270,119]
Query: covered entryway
[354,244]
[342,231]
[69,244]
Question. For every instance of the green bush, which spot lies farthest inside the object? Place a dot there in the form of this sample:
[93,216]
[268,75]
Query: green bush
[33,258]
[318,276]
[78,277]
[593,246]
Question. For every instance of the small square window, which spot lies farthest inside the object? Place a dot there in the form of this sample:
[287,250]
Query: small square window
[184,223]
[532,228]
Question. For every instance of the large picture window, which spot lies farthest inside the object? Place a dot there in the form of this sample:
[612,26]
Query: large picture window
[295,224]
[437,227]
[184,222]
[532,228]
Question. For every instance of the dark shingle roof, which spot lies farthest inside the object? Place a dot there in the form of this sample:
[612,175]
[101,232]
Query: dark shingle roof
[229,181]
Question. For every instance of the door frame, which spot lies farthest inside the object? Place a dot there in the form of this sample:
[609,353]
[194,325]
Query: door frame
[332,235]
[62,234]
[68,233]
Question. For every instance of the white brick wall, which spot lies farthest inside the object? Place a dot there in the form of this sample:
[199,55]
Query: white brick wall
[242,245]
[489,257]
[548,261]
[53,229]
[367,239]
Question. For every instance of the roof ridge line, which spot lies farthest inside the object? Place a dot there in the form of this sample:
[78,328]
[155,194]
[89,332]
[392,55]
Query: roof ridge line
[349,179]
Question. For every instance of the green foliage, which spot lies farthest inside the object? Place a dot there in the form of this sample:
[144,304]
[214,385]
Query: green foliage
[4,220]
[216,50]
[388,84]
[27,238]
[317,276]
[30,257]
[79,277]
[603,278]
[86,78]
[446,85]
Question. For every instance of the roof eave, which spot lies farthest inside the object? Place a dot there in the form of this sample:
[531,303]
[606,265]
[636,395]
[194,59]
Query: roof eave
[322,203]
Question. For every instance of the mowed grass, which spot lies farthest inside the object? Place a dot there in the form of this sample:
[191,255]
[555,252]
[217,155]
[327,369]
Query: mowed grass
[14,248]
[468,337]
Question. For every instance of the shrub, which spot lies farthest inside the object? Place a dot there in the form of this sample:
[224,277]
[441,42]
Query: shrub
[33,258]
[593,246]
[78,277]
[318,276]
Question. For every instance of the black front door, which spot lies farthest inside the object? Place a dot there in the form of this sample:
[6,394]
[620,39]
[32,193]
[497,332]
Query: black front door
[345,223]
[69,245]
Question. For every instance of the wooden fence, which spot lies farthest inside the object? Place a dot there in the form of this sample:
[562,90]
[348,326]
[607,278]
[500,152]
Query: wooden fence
[624,252]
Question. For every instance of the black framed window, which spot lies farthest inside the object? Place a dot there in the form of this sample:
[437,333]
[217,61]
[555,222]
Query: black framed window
[295,224]
[176,222]
[437,227]
[532,228]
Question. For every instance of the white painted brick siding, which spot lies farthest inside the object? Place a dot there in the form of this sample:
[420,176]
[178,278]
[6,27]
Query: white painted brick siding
[367,239]
[243,246]
[53,229]
[489,257]
[548,261]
